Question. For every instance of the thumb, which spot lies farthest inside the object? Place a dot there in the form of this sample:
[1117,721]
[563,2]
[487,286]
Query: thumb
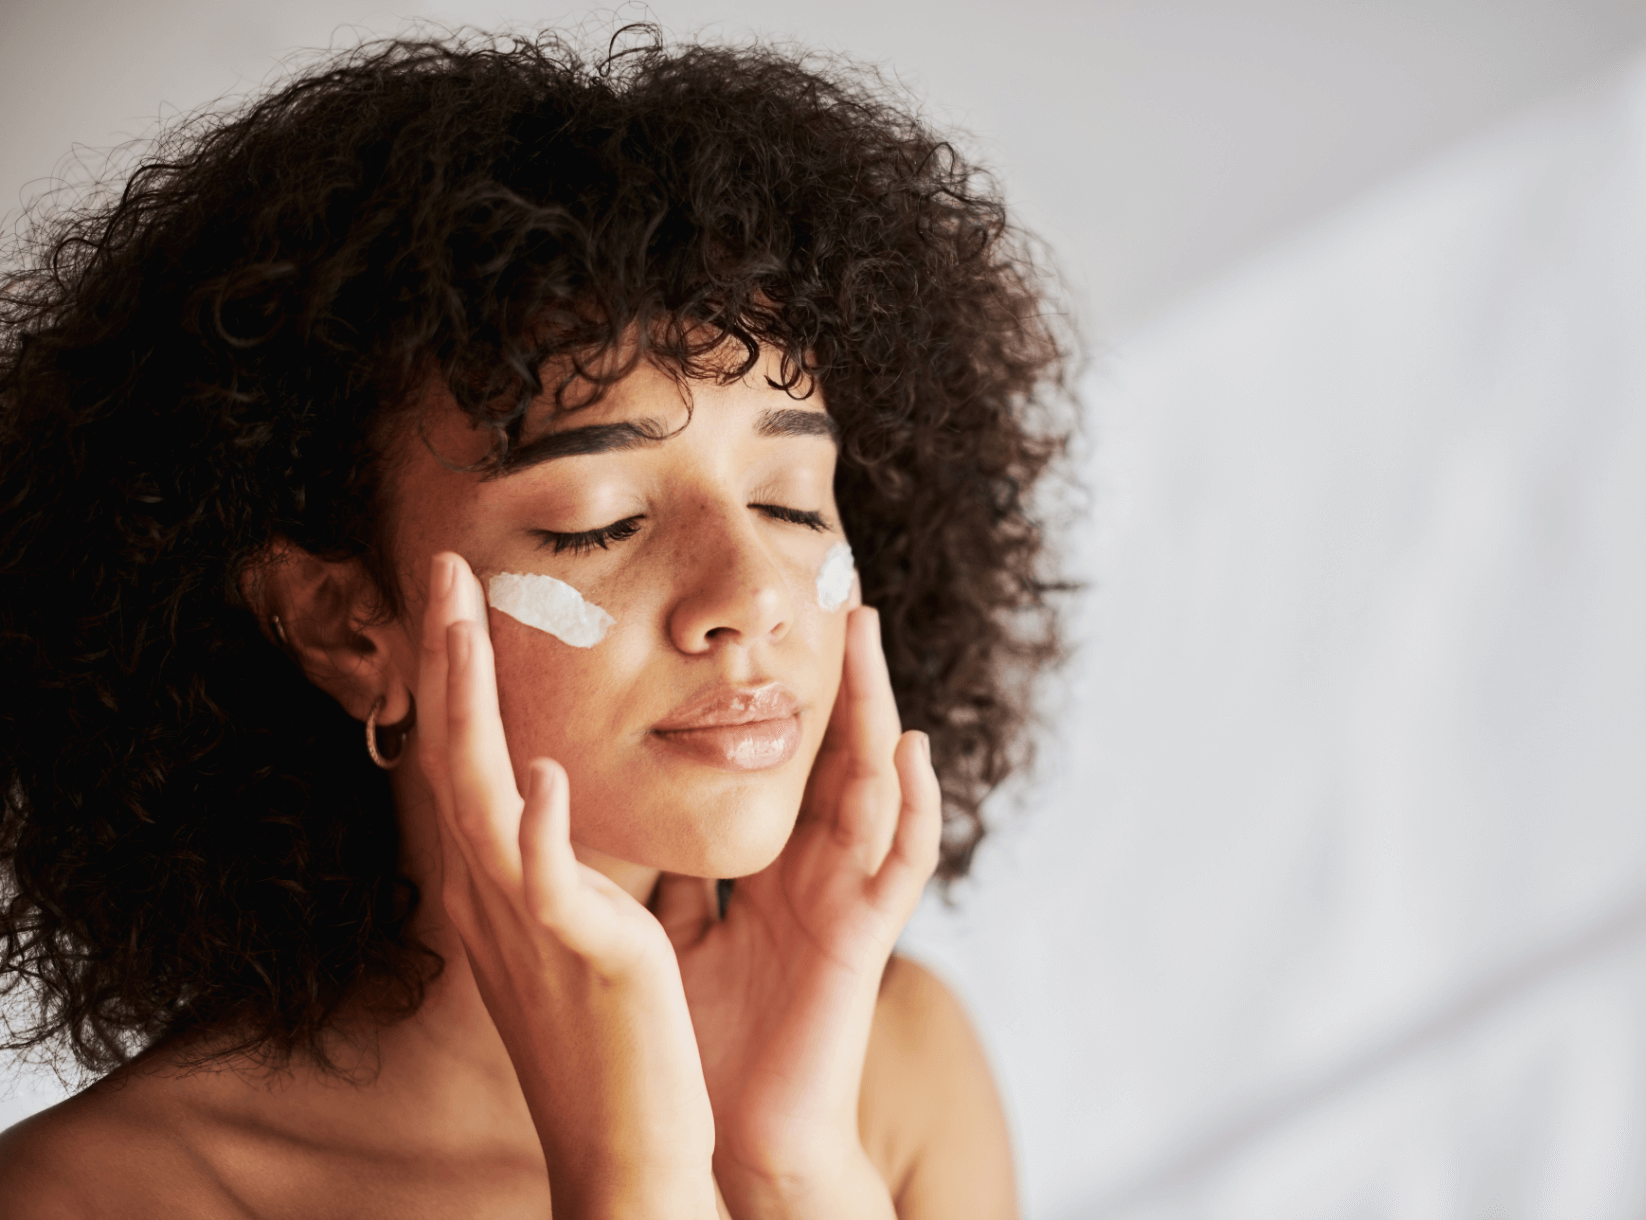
[685,906]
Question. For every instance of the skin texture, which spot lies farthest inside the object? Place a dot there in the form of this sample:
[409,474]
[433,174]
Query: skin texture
[599,1033]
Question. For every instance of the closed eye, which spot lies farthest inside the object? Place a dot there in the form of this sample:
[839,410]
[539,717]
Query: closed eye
[794,516]
[583,541]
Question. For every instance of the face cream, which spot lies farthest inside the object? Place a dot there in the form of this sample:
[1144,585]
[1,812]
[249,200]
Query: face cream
[549,605]
[834,578]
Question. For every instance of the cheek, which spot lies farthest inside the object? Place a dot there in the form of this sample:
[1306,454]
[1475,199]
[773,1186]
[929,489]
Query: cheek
[562,702]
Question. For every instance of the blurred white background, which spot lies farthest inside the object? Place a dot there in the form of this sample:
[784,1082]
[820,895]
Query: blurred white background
[1330,897]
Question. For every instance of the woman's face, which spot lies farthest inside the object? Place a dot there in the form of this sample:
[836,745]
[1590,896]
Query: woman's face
[688,732]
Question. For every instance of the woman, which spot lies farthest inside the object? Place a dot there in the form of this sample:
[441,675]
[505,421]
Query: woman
[531,414]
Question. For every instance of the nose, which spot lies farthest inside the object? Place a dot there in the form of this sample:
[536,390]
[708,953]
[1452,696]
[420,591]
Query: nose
[732,590]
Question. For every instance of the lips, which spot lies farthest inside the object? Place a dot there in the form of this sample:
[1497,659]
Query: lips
[749,728]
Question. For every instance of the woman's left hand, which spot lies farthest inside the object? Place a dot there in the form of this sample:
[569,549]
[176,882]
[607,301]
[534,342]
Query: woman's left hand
[782,990]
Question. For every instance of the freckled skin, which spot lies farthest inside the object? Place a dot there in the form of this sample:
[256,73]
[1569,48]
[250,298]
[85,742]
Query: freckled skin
[709,591]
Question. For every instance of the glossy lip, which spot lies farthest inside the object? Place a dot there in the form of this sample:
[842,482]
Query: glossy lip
[751,728]
[726,706]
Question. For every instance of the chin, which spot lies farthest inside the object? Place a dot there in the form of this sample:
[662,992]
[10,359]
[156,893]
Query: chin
[731,829]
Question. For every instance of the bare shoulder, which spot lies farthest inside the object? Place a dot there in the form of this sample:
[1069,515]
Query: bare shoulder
[38,1164]
[106,1151]
[930,1115]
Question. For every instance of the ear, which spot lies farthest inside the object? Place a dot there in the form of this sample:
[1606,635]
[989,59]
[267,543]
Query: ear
[328,621]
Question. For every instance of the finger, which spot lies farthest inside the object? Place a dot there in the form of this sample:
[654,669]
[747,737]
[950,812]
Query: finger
[486,805]
[863,656]
[685,906]
[865,728]
[454,595]
[870,710]
[549,877]
[432,677]
[445,603]
[913,855]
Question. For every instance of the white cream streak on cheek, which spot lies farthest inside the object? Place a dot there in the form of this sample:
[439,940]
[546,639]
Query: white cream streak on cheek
[834,578]
[549,605]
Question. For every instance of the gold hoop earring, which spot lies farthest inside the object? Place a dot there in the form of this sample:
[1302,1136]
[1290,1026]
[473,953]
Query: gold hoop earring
[393,736]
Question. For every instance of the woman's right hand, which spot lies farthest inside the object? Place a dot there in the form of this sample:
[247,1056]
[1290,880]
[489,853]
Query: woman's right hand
[579,978]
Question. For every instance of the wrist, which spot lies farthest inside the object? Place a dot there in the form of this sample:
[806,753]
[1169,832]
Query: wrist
[633,1193]
[610,1074]
[823,1187]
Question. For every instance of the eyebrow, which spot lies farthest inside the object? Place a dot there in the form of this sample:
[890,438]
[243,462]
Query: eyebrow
[644,433]
[797,421]
[591,438]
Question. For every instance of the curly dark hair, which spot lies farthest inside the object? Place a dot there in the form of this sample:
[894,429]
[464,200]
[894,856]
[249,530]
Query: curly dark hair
[211,362]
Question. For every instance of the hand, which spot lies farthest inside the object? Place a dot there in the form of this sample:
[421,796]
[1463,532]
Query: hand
[782,991]
[578,977]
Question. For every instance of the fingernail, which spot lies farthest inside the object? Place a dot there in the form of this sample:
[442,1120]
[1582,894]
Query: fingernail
[926,748]
[444,571]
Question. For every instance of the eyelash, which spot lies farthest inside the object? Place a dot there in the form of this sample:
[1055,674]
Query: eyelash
[794,516]
[584,541]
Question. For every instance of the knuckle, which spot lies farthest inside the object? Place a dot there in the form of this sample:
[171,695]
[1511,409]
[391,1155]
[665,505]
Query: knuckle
[470,821]
[544,911]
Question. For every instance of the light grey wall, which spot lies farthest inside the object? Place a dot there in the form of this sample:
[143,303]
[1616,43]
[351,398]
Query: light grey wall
[1153,142]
